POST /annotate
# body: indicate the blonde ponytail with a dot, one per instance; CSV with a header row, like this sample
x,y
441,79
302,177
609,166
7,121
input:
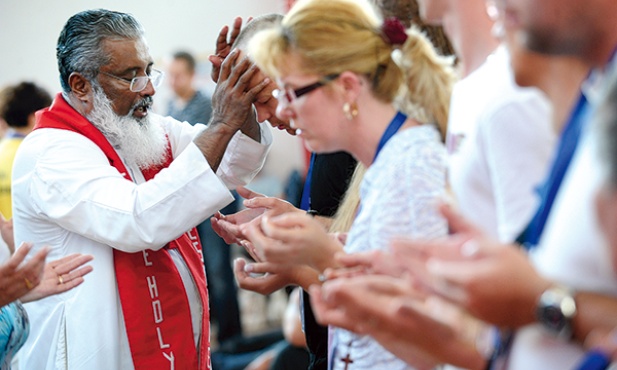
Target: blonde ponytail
x,y
429,78
348,208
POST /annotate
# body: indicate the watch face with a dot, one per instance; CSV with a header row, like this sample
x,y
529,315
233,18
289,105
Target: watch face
x,y
553,318
555,311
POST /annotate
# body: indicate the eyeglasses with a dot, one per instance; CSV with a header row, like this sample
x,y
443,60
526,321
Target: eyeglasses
x,y
140,82
290,94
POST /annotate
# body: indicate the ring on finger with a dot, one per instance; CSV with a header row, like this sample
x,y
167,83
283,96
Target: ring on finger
x,y
29,284
60,280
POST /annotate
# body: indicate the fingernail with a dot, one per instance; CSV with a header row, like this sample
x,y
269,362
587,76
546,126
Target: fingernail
x,y
249,268
470,248
433,266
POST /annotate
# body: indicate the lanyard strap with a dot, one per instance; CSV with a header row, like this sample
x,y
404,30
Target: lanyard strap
x,y
568,143
305,203
392,128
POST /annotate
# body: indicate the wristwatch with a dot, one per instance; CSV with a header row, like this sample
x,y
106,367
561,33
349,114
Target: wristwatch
x,y
555,310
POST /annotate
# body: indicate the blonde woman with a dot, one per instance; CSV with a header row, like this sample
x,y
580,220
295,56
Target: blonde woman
x,y
345,79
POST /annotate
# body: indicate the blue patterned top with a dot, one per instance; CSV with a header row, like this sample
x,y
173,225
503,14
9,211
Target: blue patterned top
x,y
14,329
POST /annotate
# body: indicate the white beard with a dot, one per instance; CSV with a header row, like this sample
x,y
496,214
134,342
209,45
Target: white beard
x,y
140,141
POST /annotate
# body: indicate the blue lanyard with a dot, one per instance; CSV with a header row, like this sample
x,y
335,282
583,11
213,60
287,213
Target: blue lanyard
x,y
595,360
568,143
305,203
392,128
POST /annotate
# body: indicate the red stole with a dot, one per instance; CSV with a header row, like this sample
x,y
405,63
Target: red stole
x,y
154,303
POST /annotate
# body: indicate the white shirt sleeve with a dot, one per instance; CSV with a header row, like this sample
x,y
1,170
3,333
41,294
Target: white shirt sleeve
x,y
243,158
72,183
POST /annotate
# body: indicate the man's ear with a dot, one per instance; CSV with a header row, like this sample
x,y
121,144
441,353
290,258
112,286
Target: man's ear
x,y
80,86
81,90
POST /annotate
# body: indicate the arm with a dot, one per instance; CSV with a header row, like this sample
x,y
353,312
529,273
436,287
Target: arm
x,y
470,274
73,182
594,311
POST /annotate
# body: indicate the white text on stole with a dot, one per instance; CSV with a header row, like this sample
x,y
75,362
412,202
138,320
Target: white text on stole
x,y
157,310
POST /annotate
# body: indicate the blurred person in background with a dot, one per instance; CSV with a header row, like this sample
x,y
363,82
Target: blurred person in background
x,y
17,106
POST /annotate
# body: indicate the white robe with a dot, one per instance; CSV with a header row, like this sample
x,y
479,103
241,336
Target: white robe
x,y
68,197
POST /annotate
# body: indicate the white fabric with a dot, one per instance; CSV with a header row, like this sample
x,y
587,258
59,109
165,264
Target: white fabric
x,y
500,142
67,196
399,195
5,252
571,250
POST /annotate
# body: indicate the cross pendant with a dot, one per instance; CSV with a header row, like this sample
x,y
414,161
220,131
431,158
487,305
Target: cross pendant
x,y
347,360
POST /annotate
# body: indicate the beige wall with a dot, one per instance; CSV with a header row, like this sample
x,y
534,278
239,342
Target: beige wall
x,y
29,29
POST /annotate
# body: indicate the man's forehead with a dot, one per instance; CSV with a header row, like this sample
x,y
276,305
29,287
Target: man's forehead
x,y
123,51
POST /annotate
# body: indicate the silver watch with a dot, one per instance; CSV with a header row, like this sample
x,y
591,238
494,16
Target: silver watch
x,y
555,310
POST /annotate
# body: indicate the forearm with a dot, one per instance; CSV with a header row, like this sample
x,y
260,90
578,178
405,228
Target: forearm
x,y
305,276
325,257
445,344
325,221
593,311
251,128
213,141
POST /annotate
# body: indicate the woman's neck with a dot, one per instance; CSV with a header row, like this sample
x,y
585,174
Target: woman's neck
x,y
368,128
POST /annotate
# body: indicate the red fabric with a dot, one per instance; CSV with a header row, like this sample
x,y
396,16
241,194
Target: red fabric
x,y
156,310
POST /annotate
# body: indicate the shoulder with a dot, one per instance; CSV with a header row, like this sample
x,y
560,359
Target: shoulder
x,y
413,152
415,141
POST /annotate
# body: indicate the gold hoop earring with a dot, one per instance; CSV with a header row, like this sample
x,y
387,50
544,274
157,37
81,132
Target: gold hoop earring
x,y
350,110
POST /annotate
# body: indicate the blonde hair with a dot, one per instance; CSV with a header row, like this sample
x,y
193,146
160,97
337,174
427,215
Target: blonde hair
x,y
333,36
346,212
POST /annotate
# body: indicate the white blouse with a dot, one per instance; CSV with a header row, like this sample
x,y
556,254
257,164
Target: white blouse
x,y
399,197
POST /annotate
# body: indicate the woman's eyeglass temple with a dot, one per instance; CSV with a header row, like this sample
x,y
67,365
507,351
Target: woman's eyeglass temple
x,y
292,94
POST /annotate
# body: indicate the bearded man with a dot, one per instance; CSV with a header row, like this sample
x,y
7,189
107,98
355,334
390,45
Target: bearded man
x,y
103,175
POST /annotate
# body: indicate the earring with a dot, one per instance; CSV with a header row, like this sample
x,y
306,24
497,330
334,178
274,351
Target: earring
x,y
350,110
